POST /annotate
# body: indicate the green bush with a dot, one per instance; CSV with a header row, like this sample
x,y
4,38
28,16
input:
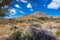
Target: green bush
x,y
58,33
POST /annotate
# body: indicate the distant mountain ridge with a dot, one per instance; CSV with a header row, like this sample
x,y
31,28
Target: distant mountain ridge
x,y
39,14
36,14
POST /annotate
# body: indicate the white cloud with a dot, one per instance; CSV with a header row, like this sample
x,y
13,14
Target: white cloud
x,y
31,10
21,12
56,1
55,4
12,11
16,5
29,5
24,1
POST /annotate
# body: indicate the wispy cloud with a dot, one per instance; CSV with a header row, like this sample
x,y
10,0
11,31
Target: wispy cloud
x,y
12,11
31,10
55,4
24,1
29,5
16,5
22,12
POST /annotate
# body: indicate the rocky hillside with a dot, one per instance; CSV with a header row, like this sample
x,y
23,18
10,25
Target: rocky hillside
x,y
39,20
32,16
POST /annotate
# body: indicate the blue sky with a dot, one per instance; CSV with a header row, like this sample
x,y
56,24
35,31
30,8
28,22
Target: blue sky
x,y
20,8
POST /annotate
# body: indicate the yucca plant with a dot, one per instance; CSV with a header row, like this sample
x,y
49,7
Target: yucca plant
x,y
27,36
16,35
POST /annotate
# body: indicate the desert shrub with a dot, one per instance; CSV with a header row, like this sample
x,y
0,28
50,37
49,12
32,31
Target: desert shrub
x,y
58,33
43,18
29,19
36,25
24,24
42,22
57,21
21,21
14,28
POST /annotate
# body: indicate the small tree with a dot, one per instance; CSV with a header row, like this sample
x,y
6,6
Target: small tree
x,y
5,2
2,4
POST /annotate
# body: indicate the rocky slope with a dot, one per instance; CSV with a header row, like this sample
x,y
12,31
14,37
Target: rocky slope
x,y
23,24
